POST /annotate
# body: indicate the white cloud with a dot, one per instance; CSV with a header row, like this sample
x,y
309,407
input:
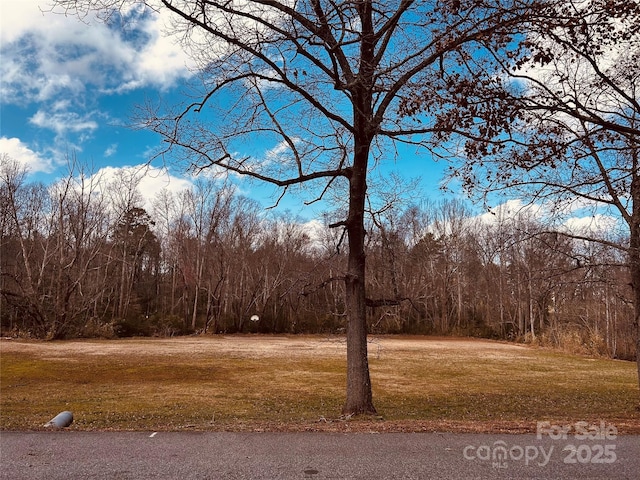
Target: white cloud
x,y
20,152
111,150
573,220
281,152
316,231
63,122
15,15
150,181
578,80
44,54
590,225
514,209
157,179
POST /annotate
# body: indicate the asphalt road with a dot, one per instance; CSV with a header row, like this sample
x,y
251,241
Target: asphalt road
x,y
222,455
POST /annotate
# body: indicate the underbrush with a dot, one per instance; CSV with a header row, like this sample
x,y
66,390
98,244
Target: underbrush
x,y
580,341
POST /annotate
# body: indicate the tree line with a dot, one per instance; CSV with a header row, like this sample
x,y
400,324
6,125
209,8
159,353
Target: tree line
x,y
83,257
535,97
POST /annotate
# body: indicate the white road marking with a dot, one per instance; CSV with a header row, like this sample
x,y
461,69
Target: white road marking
x,y
153,434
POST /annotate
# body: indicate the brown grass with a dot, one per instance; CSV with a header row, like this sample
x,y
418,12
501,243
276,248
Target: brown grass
x,y
297,383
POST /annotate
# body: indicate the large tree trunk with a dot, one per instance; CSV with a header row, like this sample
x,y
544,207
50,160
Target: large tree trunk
x,y
359,396
635,276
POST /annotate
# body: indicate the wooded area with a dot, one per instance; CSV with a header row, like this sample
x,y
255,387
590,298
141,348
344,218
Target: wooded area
x,y
536,98
78,261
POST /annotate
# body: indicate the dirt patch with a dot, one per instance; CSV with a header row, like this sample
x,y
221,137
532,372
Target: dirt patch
x,y
256,346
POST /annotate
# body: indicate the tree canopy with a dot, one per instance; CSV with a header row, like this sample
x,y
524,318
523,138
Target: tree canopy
x,y
331,87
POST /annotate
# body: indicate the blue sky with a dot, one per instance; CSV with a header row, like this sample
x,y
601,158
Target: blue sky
x,y
69,87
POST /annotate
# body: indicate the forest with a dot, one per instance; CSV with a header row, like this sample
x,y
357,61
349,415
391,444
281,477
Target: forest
x,y
84,258
531,105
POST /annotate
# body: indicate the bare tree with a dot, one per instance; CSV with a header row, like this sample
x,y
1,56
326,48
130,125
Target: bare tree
x,y
52,240
24,243
322,83
207,209
566,129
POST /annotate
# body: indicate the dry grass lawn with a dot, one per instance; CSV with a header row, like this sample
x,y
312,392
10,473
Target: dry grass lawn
x,y
297,383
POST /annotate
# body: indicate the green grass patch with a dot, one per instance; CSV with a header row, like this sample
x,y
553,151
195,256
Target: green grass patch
x,y
280,383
